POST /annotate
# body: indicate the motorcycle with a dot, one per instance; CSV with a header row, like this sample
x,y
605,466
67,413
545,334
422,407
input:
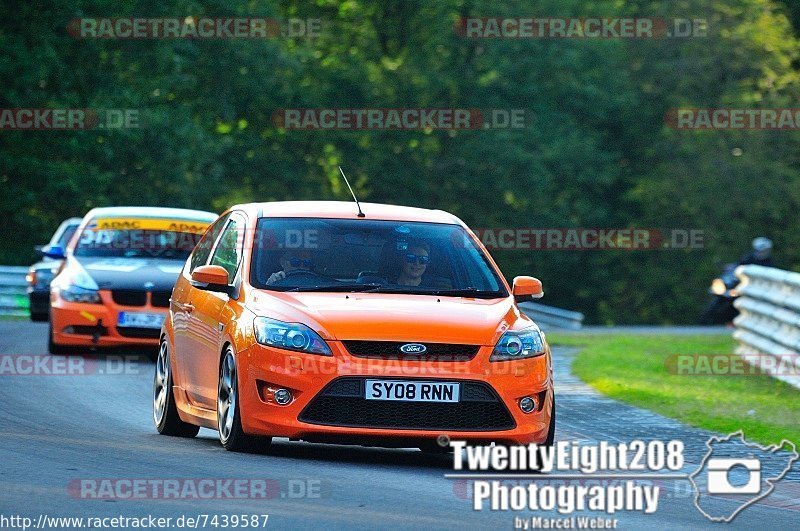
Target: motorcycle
x,y
720,310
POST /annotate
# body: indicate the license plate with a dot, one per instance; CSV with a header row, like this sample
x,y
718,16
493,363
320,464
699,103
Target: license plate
x,y
141,320
406,391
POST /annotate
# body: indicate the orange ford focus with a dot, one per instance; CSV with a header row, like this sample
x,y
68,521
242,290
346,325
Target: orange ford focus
x,y
312,321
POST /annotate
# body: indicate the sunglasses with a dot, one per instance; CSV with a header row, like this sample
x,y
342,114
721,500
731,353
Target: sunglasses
x,y
412,258
305,262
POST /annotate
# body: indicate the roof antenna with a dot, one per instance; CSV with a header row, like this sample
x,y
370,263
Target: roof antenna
x,y
360,213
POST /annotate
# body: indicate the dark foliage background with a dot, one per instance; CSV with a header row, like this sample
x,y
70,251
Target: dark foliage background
x,y
598,153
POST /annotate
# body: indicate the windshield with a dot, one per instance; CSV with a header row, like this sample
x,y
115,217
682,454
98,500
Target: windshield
x,y
67,235
168,239
310,254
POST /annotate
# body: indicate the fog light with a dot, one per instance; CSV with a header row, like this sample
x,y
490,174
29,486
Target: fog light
x,y
282,396
527,404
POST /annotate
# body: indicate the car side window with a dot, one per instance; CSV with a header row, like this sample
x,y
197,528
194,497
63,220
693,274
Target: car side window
x,y
67,236
228,253
206,244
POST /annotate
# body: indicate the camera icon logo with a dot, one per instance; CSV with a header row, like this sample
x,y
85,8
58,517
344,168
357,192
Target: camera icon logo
x,y
738,471
720,472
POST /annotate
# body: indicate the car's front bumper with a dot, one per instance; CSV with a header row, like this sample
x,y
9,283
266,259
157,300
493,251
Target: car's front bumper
x,y
95,325
263,369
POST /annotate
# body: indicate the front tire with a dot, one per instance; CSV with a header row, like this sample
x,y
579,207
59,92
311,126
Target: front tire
x,y
165,413
229,420
551,432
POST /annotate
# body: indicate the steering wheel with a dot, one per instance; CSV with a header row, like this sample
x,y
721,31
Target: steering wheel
x,y
305,273
298,272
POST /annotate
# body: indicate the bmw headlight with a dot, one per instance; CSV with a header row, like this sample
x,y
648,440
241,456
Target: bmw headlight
x,y
77,294
74,284
527,343
289,336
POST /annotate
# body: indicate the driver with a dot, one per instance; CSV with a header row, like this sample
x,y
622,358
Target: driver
x,y
292,261
414,263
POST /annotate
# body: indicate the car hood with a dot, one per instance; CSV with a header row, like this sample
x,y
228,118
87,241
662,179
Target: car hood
x,y
46,264
132,273
393,317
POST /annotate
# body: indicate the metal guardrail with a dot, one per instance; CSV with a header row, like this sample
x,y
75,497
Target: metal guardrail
x,y
13,298
549,317
768,327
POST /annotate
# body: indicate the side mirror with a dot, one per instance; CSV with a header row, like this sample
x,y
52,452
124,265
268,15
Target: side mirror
x,y
527,288
211,278
55,252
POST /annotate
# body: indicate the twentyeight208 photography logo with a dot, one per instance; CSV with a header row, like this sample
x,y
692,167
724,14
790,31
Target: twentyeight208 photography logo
x,y
609,478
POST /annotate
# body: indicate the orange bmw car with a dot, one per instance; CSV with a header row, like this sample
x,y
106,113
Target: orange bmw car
x,y
114,286
313,321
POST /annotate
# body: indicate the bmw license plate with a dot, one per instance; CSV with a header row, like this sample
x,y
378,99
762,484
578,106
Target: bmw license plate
x,y
141,319
408,391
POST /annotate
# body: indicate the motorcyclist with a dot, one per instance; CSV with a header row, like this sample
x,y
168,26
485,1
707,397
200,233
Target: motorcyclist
x,y
721,309
761,253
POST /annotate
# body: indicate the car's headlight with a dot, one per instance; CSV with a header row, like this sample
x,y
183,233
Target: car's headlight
x,y
289,336
74,284
78,294
527,343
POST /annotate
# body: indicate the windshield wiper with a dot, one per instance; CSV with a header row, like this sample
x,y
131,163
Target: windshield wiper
x,y
338,287
464,292
467,292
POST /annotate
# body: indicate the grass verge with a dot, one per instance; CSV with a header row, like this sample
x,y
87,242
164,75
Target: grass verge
x,y
634,369
14,318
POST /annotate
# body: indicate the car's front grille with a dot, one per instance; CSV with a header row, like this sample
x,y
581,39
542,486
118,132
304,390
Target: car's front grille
x,y
391,350
342,403
86,330
129,297
160,299
139,333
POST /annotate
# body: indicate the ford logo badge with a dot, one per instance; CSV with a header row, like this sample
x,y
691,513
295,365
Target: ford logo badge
x,y
413,348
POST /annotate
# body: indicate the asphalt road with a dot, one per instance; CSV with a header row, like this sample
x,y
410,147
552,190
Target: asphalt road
x,y
57,430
